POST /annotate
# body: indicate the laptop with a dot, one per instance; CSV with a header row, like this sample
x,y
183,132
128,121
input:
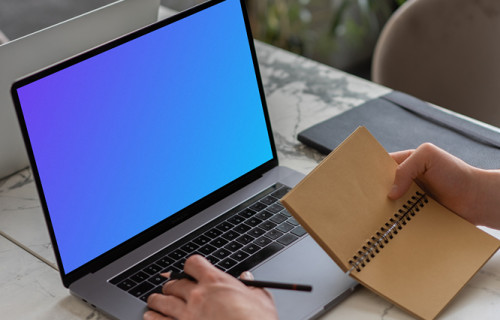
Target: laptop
x,y
50,45
157,146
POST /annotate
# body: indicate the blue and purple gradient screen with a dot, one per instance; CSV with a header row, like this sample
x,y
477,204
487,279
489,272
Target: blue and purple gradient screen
x,y
131,136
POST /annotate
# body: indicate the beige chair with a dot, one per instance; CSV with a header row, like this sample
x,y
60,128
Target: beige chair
x,y
446,52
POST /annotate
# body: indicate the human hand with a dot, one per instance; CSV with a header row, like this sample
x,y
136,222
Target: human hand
x,y
468,191
215,295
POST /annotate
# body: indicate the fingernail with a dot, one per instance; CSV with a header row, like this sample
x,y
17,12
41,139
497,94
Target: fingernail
x,y
247,275
393,191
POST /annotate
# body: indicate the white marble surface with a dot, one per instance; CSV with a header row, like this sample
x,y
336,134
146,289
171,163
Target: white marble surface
x,y
300,93
30,289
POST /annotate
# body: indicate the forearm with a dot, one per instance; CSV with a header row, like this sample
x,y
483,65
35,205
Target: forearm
x,y
487,202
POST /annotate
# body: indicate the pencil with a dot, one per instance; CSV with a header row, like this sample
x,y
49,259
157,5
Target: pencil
x,y
251,283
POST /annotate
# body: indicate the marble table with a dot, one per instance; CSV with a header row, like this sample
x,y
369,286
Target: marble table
x,y
300,93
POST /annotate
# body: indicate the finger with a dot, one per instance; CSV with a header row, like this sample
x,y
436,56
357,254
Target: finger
x,y
168,306
203,271
247,275
179,288
400,156
152,315
415,165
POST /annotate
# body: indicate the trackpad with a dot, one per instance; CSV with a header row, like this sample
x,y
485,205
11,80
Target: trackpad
x,y
305,263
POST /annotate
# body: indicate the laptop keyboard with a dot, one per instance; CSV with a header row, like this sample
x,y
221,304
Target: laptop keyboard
x,y
237,241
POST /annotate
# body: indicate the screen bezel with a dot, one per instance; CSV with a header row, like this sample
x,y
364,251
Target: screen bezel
x,y
180,216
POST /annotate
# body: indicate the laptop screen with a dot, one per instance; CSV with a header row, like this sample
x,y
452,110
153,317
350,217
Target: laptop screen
x,y
127,137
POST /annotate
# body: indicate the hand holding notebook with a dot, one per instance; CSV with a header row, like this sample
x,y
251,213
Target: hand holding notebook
x,y
412,251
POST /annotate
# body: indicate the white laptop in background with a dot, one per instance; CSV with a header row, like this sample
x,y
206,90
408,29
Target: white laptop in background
x,y
50,45
158,145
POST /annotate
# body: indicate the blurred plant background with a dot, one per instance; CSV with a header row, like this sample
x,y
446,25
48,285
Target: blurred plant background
x,y
340,33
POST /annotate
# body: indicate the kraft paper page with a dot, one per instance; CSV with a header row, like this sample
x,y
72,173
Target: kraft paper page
x,y
422,258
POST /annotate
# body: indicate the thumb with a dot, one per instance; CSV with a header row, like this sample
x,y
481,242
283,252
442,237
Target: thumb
x,y
413,168
401,184
406,173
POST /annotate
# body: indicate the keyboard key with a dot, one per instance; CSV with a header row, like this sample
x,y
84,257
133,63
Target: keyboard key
x,y
264,215
242,228
274,234
152,269
292,221
236,219
202,240
139,276
281,192
247,213
164,262
230,235
225,226
177,254
141,289
190,247
275,207
258,206
267,225
263,241
158,289
227,263
251,248
172,269
157,280
268,200
213,260
278,218
179,264
127,284
286,213
287,239
299,231
213,233
239,256
207,249
284,227
122,276
256,232
221,253
219,242
245,239
255,259
252,222
233,246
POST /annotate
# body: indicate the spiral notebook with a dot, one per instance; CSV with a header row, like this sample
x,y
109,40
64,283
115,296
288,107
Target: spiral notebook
x,y
413,251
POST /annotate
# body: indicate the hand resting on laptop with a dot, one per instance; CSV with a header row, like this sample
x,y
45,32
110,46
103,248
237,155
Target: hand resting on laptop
x,y
217,295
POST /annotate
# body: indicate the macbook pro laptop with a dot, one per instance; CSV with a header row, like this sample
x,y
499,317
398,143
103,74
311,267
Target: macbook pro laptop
x,y
157,146
38,50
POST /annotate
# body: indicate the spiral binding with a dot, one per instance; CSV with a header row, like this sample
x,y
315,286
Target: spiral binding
x,y
387,232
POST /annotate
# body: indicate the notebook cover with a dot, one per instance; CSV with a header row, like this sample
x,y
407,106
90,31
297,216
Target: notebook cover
x,y
343,202
400,122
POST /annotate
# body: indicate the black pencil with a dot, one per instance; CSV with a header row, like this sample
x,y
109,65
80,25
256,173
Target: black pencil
x,y
251,283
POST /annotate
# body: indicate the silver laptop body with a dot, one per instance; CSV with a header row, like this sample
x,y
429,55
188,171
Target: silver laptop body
x,y
53,44
141,142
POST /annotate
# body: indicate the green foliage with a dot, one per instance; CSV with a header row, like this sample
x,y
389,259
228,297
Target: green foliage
x,y
320,29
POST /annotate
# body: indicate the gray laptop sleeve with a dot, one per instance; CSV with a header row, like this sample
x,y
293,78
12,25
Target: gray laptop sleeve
x,y
400,122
